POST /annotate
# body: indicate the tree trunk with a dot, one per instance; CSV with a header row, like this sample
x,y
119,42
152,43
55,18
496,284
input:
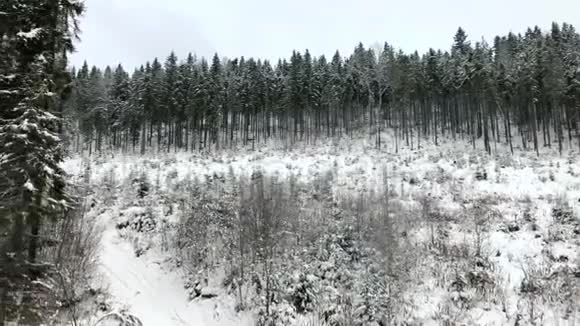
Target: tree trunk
x,y
535,128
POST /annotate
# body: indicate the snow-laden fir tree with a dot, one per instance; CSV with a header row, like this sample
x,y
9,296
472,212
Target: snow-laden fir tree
x,y
35,39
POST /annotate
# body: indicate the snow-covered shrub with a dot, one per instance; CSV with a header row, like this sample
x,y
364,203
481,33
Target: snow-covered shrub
x,y
170,160
141,185
282,314
509,227
440,240
460,162
374,305
121,318
531,290
442,176
480,276
302,292
314,320
323,187
151,164
505,161
448,313
458,289
480,215
194,288
563,214
434,158
525,199
480,173
172,175
561,290
412,179
139,219
570,167
474,158
256,157
438,224
141,245
230,281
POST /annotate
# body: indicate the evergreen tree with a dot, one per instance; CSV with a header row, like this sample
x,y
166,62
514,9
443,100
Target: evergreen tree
x,y
170,97
216,92
118,114
155,87
36,37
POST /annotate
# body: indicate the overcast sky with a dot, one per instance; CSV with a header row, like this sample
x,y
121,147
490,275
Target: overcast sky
x,y
135,31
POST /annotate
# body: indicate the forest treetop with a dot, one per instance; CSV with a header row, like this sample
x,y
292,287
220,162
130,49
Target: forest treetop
x,y
527,81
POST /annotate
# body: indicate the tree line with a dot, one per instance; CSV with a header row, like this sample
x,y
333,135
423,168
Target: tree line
x,y
521,85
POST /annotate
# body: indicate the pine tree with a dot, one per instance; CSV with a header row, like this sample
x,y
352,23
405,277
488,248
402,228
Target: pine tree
x,y
337,85
184,100
99,110
135,109
295,99
117,115
170,98
156,88
318,92
216,92
34,49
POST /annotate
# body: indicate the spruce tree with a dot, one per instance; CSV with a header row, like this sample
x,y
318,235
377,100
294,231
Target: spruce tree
x,y
36,37
216,92
170,97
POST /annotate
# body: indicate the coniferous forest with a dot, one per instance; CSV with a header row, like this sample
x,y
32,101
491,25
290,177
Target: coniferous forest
x,y
370,188
518,85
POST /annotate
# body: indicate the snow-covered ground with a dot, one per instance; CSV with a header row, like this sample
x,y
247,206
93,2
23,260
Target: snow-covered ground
x,y
151,292
148,286
151,287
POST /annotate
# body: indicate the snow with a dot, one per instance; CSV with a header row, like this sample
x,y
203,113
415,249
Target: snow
x,y
515,251
147,289
33,33
151,293
153,290
43,284
29,186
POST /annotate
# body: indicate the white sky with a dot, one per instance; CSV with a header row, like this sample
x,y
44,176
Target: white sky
x,y
134,31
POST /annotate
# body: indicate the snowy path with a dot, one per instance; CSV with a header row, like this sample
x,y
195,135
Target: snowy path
x,y
154,295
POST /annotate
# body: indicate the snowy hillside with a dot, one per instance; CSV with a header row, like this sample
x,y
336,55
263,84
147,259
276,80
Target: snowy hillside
x,y
328,187
494,240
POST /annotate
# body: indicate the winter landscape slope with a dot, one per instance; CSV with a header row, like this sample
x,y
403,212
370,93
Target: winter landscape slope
x,y
529,238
